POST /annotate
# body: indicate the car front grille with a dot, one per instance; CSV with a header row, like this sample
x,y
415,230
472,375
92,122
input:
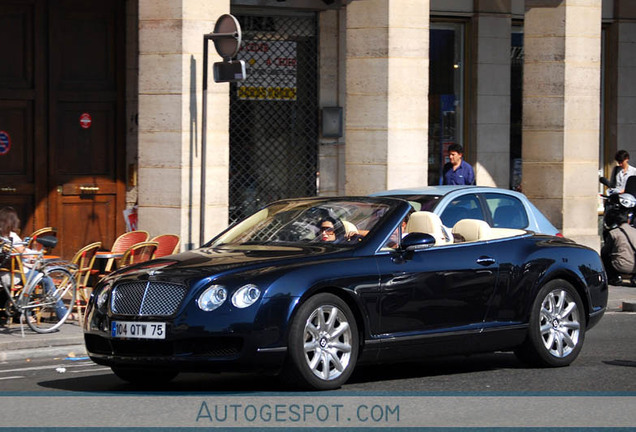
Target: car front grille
x,y
147,298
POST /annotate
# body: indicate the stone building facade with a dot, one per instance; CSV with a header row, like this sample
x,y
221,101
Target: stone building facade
x,y
578,99
353,97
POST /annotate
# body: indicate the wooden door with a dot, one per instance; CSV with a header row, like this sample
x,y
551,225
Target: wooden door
x,y
22,112
86,121
62,117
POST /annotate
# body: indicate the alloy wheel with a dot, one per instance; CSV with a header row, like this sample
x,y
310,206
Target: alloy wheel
x,y
560,323
327,342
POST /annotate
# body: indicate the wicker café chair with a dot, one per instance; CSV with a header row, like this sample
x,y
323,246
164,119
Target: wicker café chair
x,y
46,231
168,244
140,252
123,243
84,259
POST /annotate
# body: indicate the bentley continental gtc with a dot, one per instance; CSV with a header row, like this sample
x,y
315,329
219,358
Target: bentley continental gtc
x,y
310,288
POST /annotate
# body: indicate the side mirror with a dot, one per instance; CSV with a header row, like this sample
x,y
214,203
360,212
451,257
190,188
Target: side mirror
x,y
415,241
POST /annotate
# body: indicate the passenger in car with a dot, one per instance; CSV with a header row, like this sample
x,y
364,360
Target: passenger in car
x,y
458,238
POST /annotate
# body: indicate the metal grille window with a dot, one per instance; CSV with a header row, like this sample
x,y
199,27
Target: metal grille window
x,y
274,113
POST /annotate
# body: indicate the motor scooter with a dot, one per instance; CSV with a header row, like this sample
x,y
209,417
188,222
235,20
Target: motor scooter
x,y
618,208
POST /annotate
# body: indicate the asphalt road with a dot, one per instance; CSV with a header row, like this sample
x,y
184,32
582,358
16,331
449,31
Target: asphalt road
x,y
606,364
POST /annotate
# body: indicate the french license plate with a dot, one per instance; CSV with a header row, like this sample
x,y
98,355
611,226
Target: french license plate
x,y
138,330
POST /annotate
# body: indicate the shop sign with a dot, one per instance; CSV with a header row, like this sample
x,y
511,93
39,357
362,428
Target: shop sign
x,y
272,70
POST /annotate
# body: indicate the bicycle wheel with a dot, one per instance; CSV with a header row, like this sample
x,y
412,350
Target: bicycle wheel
x,y
50,301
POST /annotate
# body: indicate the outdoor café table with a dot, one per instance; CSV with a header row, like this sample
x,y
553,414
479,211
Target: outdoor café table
x,y
110,257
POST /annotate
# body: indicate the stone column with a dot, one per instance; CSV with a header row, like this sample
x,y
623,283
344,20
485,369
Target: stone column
x,y
561,115
170,82
331,84
491,114
387,95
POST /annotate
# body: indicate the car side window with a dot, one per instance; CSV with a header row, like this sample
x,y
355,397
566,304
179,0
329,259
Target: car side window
x,y
463,207
506,211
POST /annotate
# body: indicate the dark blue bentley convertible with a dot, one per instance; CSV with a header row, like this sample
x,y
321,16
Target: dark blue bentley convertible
x,y
309,288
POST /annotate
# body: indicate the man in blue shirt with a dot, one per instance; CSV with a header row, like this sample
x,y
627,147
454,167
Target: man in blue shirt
x,y
458,171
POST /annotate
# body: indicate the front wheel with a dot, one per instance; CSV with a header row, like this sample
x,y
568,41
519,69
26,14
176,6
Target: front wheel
x,y
323,344
557,327
50,301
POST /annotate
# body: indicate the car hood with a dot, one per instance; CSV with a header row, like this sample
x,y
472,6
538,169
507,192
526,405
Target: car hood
x,y
219,261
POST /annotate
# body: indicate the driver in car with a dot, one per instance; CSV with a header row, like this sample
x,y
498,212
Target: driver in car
x,y
328,230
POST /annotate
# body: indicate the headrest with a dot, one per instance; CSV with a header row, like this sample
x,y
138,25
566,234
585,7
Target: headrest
x,y
430,223
473,229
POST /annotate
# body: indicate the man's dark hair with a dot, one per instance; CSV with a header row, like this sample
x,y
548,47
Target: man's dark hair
x,y
621,155
457,148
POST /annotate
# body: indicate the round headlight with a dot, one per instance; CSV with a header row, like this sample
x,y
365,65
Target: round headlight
x,y
102,297
246,296
212,298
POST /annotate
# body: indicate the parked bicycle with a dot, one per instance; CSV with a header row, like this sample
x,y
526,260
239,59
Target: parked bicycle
x,y
48,292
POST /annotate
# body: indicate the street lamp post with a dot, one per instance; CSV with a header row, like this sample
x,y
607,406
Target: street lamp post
x,y
227,41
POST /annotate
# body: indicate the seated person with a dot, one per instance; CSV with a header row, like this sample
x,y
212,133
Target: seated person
x,y
618,251
9,224
331,230
399,233
458,238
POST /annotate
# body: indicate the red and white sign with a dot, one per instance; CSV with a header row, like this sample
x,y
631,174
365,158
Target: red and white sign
x,y
5,143
86,120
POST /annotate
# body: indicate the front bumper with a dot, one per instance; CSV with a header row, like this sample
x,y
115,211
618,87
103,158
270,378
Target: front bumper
x,y
251,339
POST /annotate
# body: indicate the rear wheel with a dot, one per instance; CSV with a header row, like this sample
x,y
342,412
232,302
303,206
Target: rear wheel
x,y
50,301
557,327
323,344
145,376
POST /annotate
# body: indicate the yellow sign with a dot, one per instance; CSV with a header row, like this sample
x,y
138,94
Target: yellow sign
x,y
271,71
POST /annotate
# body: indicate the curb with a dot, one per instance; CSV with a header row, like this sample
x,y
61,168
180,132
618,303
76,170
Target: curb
x,y
35,353
628,307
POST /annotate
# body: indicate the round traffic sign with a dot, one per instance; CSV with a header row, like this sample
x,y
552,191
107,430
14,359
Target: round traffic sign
x,y
5,142
86,120
227,47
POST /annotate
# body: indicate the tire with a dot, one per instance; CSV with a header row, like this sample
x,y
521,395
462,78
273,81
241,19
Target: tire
x,y
41,310
323,344
557,327
146,376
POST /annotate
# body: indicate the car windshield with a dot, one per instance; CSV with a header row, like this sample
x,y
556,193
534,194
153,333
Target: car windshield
x,y
421,202
342,222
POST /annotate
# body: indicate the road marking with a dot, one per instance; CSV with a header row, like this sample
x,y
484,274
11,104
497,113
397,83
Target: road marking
x,y
11,377
51,367
92,370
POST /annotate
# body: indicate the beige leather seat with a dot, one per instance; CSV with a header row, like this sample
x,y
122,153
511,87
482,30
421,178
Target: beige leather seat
x,y
349,227
429,223
473,229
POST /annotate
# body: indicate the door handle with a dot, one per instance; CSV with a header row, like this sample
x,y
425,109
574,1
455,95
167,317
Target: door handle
x,y
485,260
8,189
89,189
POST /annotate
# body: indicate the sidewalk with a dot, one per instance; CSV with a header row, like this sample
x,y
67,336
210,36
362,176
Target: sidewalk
x,y
69,341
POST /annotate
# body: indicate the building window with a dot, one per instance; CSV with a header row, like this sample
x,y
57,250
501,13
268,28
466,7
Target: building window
x,y
446,86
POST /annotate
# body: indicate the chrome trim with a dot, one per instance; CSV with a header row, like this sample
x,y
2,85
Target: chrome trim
x,y
442,334
268,350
